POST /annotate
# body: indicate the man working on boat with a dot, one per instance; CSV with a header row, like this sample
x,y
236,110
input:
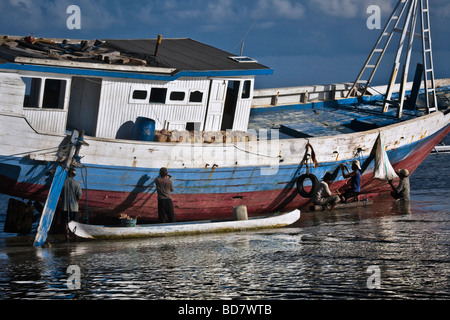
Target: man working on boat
x,y
323,195
70,194
164,187
355,181
402,190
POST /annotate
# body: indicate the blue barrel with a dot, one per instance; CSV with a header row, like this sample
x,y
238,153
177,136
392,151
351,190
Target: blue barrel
x,y
143,129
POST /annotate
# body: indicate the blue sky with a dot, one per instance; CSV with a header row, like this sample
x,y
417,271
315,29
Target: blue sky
x,y
304,41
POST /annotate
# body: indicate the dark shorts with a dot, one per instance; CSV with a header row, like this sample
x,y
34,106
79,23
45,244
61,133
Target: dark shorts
x,y
350,194
165,210
69,216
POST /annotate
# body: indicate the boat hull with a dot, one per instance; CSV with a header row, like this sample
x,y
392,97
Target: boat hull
x,y
208,187
173,229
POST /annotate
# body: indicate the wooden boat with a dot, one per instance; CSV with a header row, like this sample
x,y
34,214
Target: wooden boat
x,y
224,142
183,228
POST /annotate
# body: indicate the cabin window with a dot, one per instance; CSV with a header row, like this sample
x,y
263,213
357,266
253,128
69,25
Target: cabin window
x,y
54,92
196,97
158,95
32,92
139,95
246,88
177,96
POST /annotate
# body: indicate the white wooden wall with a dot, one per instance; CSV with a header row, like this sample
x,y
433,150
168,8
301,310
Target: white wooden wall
x,y
115,108
42,119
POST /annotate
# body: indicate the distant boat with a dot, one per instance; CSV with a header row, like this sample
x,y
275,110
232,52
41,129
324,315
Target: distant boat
x,y
441,149
182,228
181,104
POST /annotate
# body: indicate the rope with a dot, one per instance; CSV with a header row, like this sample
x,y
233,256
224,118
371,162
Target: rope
x,y
308,156
313,154
36,151
252,25
255,153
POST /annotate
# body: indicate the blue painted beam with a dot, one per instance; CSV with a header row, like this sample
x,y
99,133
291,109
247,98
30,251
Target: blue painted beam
x,y
50,206
134,75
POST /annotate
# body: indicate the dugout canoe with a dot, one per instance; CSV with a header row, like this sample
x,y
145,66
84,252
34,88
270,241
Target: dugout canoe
x,y
183,228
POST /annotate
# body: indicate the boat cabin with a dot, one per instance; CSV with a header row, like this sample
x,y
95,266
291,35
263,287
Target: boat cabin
x,y
103,86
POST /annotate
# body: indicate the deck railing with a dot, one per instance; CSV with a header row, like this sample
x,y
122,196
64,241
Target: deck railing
x,y
308,94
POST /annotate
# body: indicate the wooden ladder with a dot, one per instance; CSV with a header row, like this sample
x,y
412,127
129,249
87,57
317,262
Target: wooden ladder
x,y
378,51
412,9
428,58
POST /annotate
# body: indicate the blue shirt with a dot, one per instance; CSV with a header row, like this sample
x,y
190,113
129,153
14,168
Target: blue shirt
x,y
355,182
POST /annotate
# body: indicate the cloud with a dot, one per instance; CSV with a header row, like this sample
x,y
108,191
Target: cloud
x,y
440,8
23,13
217,12
286,9
349,8
221,10
48,17
100,14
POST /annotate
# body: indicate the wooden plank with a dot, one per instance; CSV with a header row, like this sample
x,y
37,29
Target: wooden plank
x,y
88,65
354,204
50,206
55,190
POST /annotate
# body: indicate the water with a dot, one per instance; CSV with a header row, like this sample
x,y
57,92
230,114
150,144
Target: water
x,y
326,255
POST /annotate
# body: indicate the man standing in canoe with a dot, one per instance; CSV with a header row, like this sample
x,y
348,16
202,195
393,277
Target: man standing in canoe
x,y
70,194
164,187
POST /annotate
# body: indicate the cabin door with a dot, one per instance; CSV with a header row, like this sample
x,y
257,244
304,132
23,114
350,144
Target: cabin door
x,y
84,104
214,114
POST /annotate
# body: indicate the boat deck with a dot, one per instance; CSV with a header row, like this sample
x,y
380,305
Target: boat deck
x,y
324,119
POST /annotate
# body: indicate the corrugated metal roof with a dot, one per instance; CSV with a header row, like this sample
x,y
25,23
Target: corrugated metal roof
x,y
174,55
183,54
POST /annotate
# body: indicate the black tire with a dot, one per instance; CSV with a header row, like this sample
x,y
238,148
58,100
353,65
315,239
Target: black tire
x,y
300,188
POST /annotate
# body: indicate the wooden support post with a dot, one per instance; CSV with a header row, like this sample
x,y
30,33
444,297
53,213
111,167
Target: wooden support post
x,y
50,206
55,190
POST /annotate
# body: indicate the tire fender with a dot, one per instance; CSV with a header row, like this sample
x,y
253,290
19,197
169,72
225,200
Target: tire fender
x,y
301,180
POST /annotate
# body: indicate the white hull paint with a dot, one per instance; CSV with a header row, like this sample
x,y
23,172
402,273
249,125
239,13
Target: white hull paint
x,y
18,138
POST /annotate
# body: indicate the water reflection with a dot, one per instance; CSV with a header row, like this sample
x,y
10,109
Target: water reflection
x,y
324,255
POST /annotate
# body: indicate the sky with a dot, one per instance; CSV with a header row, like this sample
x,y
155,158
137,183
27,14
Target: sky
x,y
306,42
